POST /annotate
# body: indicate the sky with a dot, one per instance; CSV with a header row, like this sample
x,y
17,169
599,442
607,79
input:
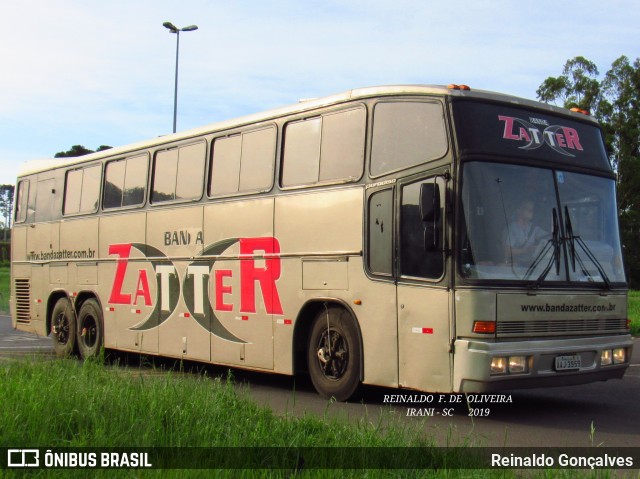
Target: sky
x,y
95,72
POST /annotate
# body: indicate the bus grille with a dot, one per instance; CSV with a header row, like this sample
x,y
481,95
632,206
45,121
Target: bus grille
x,y
23,300
562,327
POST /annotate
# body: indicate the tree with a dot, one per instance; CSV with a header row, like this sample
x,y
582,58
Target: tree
x,y
578,86
6,207
78,150
615,102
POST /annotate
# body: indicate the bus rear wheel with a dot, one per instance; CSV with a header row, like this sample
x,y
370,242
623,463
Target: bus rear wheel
x,y
63,328
90,330
333,355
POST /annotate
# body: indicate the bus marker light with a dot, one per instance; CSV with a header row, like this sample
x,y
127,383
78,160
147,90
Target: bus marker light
x,y
453,86
185,315
422,330
136,311
284,321
484,327
580,110
109,309
357,302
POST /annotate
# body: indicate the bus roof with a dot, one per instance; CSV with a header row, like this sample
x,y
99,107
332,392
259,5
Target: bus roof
x,y
36,166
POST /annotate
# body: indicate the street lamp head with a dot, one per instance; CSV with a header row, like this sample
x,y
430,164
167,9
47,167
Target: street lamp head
x,y
170,26
190,28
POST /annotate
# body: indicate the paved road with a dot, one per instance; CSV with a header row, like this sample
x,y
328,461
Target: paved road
x,y
560,417
18,342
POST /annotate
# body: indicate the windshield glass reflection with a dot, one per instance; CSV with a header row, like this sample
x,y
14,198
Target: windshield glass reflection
x,y
515,226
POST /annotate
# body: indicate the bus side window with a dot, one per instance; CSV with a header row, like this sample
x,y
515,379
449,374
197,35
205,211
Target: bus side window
x,y
21,201
178,173
45,191
380,229
125,182
420,255
82,190
406,134
191,159
324,149
243,163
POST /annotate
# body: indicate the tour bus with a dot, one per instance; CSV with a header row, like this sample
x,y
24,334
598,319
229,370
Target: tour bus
x,y
435,238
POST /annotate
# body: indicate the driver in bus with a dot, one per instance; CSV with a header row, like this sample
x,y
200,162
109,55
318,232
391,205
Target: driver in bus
x,y
522,237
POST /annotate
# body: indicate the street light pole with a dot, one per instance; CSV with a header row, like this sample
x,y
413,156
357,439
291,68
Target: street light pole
x,y
173,29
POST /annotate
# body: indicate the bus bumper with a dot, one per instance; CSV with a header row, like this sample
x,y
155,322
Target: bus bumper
x,y
473,372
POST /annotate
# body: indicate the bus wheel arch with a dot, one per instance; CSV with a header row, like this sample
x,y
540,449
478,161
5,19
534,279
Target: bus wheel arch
x,y
311,339
62,324
90,325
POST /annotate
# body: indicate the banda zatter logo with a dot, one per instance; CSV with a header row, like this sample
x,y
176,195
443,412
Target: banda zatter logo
x,y
557,137
259,265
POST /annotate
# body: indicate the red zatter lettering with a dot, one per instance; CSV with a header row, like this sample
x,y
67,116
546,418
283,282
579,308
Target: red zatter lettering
x,y
123,251
266,277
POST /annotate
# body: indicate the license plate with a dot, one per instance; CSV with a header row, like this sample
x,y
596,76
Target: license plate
x,y
564,363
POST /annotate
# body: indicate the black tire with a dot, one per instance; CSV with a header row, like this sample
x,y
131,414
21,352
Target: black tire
x,y
63,328
90,329
333,354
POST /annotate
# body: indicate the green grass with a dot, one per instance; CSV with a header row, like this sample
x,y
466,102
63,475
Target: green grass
x,y
633,312
88,404
68,404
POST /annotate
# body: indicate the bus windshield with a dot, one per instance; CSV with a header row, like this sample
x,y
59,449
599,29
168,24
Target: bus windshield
x,y
538,225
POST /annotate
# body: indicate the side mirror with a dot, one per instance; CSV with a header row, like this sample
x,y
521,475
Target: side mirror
x,y
429,202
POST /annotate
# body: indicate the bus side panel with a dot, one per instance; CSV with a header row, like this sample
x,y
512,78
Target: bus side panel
x,y
19,243
177,232
377,317
424,337
79,241
43,241
20,304
123,281
329,223
242,292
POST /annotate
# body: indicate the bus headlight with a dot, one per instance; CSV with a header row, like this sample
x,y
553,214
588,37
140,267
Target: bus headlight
x,y
517,364
619,355
498,365
605,357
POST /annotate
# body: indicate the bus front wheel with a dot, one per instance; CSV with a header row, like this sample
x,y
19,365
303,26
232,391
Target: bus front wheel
x,y
63,328
90,331
333,355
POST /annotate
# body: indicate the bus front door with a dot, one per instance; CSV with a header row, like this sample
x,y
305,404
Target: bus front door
x,y
422,295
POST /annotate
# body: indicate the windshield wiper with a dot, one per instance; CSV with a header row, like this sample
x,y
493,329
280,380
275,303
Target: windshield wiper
x,y
553,242
573,239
